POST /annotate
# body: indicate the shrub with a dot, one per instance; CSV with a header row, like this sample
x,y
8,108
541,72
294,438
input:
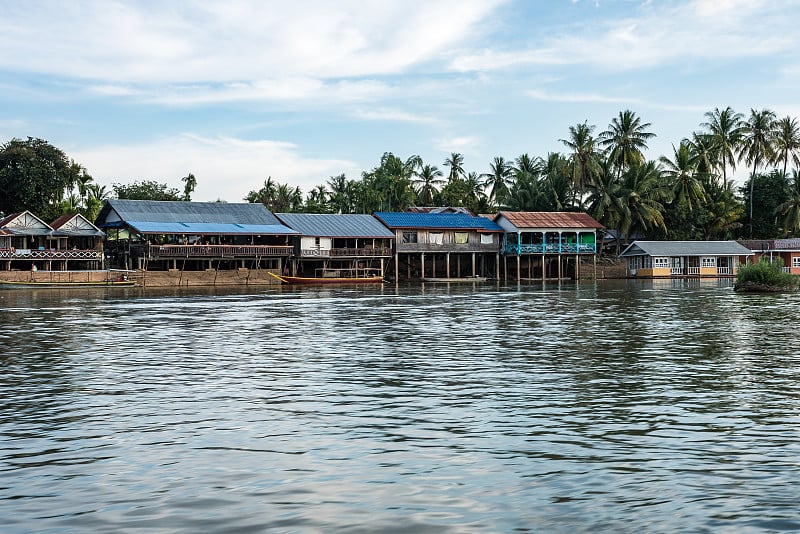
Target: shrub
x,y
765,273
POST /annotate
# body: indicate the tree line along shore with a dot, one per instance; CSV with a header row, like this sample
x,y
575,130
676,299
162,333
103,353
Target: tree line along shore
x,y
686,195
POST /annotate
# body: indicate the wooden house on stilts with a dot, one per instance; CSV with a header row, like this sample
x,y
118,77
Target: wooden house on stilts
x,y
338,245
443,246
546,245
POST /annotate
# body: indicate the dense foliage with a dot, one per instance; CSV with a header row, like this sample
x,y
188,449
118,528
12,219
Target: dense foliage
x,y
765,274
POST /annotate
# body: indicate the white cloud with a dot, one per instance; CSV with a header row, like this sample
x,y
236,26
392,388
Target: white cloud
x,y
185,42
458,144
706,29
538,94
226,168
391,115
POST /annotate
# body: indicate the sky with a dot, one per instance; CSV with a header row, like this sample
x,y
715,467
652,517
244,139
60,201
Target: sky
x,y
236,91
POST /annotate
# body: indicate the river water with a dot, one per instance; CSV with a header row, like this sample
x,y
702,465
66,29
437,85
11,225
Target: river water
x,y
616,406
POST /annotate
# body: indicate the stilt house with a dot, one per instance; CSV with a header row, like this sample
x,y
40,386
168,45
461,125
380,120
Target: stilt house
x,y
443,245
542,245
161,235
348,245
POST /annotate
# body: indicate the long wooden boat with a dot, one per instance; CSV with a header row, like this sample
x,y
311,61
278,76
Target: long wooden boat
x,y
309,280
455,280
7,284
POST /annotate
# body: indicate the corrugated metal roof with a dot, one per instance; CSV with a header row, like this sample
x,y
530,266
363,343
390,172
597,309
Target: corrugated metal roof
x,y
686,248
438,221
771,244
552,219
335,225
191,212
174,217
147,227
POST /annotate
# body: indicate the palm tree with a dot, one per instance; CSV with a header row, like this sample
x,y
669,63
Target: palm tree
x,y
643,194
704,153
625,140
790,209
604,200
757,145
787,142
339,198
456,164
498,180
584,157
726,128
428,180
687,189
557,184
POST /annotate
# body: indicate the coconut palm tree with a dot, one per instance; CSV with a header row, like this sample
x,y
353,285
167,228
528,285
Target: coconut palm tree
x,y
456,164
604,200
498,180
757,145
625,140
583,158
704,153
681,170
339,198
427,181
789,210
786,142
726,128
643,195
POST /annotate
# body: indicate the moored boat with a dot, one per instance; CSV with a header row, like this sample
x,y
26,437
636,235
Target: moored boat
x,y
311,280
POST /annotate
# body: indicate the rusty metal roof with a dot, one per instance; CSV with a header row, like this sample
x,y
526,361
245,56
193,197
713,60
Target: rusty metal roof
x,y
549,219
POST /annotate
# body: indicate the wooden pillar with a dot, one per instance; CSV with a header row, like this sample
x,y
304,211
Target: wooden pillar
x,y
544,267
422,267
577,267
559,267
447,265
519,265
473,264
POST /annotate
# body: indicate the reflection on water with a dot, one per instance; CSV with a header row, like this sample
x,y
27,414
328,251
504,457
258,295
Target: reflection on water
x,y
616,406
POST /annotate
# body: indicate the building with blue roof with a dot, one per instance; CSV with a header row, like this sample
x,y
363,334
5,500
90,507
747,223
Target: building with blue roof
x,y
338,242
160,235
444,246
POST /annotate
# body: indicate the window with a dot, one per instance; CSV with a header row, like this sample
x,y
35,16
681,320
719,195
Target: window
x,y
660,262
487,239
409,237
708,262
436,238
796,261
462,238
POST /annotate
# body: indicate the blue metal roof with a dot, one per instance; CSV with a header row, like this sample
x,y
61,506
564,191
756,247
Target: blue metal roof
x,y
147,227
335,225
439,221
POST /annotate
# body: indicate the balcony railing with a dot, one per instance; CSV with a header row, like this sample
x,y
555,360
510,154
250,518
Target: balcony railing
x,y
346,252
215,251
447,247
50,254
551,248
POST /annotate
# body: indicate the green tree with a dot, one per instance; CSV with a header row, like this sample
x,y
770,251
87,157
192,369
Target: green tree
x,y
626,140
146,190
789,210
767,193
604,200
35,176
456,165
427,182
584,158
189,185
340,194
726,128
498,180
643,194
317,200
681,171
757,145
786,142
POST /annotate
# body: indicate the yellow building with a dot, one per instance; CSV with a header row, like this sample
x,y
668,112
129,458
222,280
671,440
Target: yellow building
x,y
675,259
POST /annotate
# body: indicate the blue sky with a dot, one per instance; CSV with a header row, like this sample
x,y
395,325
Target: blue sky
x,y
235,91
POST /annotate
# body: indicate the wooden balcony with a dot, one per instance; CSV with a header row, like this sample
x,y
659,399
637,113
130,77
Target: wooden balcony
x,y
551,248
366,252
215,251
51,254
431,248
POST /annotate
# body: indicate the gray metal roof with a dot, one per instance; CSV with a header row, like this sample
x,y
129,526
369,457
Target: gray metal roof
x,y
335,225
190,212
685,248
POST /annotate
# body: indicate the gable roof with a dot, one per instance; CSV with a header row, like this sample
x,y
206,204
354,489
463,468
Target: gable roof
x,y
25,223
437,221
335,225
177,217
685,248
549,219
75,224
